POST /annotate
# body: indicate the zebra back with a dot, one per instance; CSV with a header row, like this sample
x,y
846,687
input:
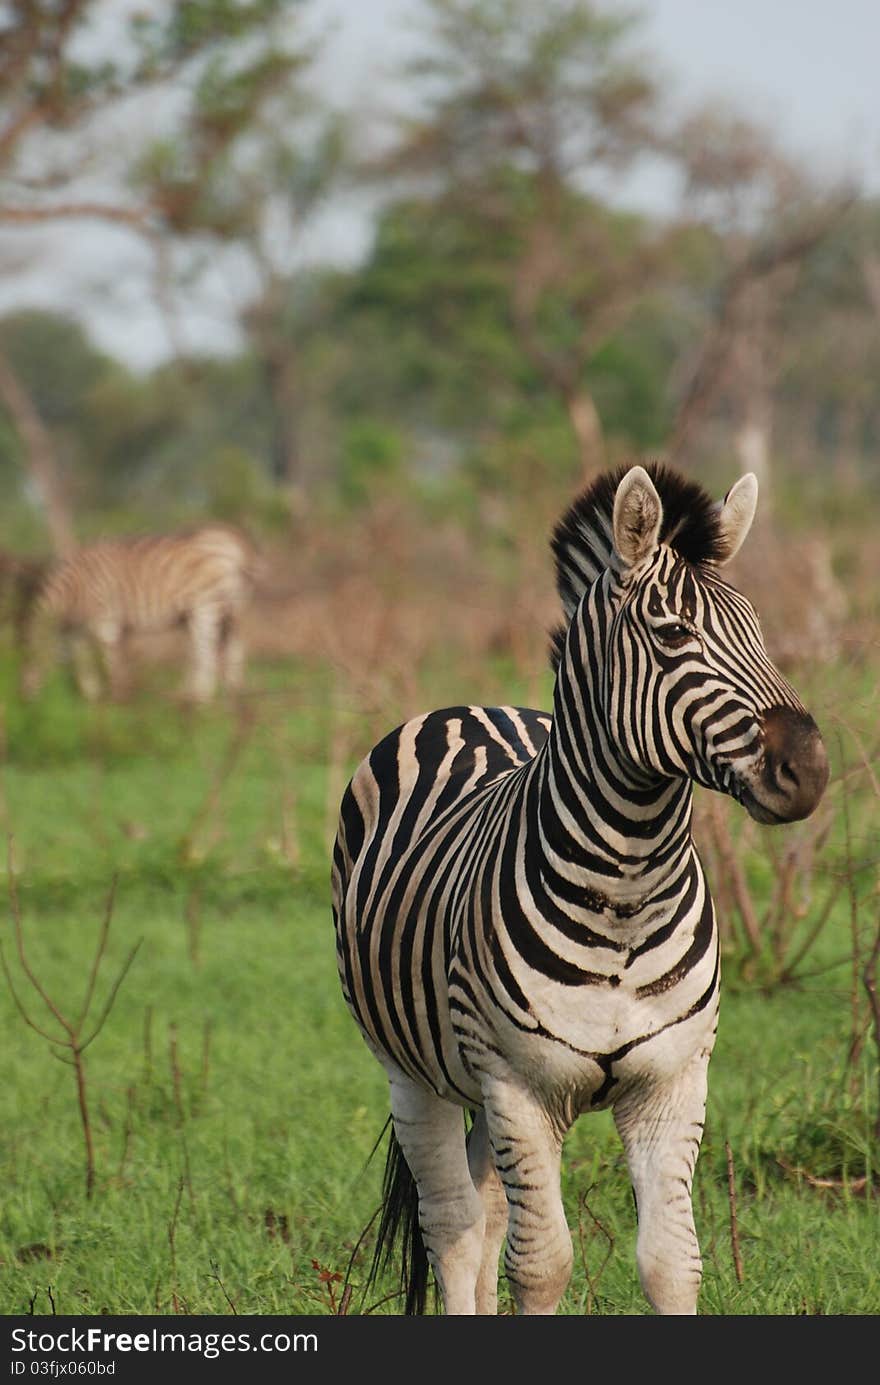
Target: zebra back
x,y
150,581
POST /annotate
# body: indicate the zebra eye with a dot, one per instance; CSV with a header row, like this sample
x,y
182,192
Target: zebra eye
x,y
675,634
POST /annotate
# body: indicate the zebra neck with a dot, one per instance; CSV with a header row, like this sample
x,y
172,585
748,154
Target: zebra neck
x,y
600,820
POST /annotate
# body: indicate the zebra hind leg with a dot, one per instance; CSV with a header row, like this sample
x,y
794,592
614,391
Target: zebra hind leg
x,y
491,1190
430,1136
117,670
87,666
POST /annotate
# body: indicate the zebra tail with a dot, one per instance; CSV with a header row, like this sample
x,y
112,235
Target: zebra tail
x,y
399,1225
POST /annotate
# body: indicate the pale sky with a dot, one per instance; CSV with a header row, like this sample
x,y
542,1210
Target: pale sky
x,y
807,69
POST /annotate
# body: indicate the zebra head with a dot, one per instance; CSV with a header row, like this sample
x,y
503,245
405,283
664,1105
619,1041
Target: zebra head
x,y
686,686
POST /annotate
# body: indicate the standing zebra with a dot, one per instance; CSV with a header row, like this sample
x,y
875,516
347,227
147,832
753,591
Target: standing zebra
x,y
119,587
523,925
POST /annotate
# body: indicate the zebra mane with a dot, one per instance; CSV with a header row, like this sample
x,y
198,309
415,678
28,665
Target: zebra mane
x,y
583,546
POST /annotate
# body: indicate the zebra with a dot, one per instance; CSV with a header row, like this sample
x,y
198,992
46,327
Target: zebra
x,y
105,592
524,932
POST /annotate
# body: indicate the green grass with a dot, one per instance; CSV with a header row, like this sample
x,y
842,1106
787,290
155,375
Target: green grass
x,y
233,1104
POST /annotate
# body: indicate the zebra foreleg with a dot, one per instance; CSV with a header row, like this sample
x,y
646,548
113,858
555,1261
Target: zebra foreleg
x,y
527,1150
487,1183
661,1126
85,660
204,625
451,1216
232,652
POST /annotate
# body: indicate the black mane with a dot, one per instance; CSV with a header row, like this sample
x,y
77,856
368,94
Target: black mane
x,y
582,542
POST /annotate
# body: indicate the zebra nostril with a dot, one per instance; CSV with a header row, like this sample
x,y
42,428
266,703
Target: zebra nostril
x,y
780,775
796,765
787,773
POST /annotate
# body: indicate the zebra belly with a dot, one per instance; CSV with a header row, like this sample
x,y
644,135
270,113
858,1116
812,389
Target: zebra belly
x,y
642,1046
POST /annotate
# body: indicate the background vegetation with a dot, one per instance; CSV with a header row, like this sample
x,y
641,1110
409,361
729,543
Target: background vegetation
x,y
399,436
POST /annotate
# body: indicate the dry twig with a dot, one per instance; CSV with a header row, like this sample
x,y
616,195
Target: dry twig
x,y
734,1227
73,1037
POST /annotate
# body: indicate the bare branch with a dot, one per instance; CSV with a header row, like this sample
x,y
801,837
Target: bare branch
x,y
869,976
871,272
74,1043
111,997
757,264
99,953
19,940
736,875
18,1004
136,217
39,455
734,1228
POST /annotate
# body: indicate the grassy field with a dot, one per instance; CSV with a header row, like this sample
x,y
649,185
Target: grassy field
x,y
232,1105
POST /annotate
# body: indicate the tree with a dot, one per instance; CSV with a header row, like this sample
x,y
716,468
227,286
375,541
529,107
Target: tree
x,y
249,165
767,216
212,63
427,326
829,351
525,114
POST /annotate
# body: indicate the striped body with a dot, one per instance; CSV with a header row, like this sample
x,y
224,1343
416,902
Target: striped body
x,y
443,864
120,587
523,925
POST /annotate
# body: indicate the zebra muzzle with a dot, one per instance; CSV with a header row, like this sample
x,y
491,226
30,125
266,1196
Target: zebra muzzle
x,y
794,768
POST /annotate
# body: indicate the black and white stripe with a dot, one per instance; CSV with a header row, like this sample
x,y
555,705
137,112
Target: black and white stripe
x,y
523,926
116,588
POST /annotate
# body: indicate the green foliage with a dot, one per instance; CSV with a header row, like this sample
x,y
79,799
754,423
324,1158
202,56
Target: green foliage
x,y
534,448
251,136
430,317
371,456
199,22
428,320
829,1140
56,362
138,452
503,74
629,382
237,488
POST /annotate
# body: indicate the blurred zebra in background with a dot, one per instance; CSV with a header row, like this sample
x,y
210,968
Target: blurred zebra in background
x,y
116,588
523,925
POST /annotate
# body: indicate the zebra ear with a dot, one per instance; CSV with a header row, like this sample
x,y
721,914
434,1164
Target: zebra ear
x,y
736,515
638,514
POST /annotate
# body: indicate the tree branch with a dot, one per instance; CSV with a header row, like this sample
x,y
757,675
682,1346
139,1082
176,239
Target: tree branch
x,y
758,264
39,456
136,217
